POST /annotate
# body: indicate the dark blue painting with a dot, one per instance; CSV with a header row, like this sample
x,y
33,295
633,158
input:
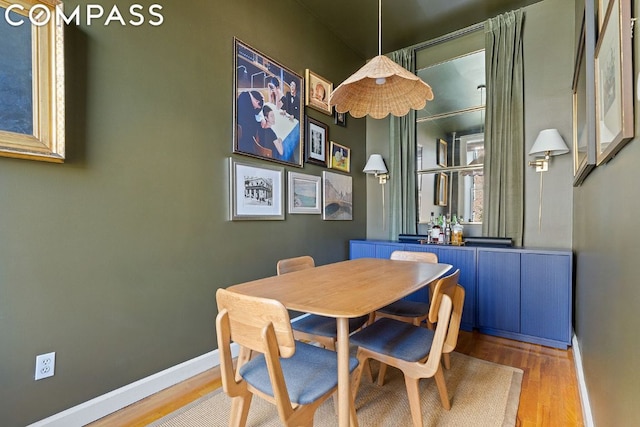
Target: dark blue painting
x,y
16,79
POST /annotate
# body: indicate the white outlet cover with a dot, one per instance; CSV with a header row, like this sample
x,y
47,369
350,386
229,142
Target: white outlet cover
x,y
45,365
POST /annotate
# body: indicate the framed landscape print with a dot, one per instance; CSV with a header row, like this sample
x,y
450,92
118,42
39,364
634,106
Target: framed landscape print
x,y
267,108
257,191
614,82
305,196
340,157
317,91
337,197
316,148
32,91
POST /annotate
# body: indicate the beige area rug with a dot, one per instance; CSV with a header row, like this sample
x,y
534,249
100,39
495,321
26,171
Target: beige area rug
x,y
482,394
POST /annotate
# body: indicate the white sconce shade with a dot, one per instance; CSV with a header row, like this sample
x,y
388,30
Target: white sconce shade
x,y
549,142
375,165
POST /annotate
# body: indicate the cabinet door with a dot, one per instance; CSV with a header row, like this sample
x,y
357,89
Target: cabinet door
x,y
499,290
546,296
361,249
465,260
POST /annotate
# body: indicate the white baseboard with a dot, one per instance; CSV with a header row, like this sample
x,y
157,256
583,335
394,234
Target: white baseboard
x,y
115,400
582,386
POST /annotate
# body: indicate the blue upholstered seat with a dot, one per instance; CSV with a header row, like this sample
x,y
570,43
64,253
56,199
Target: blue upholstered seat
x,y
406,308
395,338
325,326
309,374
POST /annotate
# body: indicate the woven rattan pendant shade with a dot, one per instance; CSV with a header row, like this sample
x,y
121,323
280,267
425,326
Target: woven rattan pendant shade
x,y
401,91
381,87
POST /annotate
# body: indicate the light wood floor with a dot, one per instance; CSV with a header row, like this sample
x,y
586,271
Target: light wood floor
x,y
549,394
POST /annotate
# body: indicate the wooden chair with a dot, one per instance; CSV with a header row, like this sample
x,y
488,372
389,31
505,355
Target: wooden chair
x,y
312,327
295,376
416,351
409,311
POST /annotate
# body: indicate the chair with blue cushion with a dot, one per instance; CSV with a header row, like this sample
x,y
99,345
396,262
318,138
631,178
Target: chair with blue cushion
x,y
409,311
295,376
415,350
313,327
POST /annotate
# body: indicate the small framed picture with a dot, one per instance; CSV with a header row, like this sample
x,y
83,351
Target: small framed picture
x,y
317,91
340,157
256,191
337,197
442,189
304,193
316,142
340,118
441,153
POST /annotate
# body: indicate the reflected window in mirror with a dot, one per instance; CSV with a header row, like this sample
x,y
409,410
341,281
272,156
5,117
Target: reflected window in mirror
x,y
450,140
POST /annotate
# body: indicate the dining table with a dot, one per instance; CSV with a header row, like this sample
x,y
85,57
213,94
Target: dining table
x,y
345,290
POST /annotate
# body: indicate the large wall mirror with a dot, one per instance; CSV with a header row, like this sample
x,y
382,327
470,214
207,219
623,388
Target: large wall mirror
x,y
450,139
31,81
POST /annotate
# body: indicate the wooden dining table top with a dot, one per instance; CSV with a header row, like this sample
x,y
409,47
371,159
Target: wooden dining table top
x,y
350,288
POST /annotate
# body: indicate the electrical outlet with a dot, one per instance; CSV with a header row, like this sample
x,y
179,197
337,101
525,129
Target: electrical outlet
x,y
45,365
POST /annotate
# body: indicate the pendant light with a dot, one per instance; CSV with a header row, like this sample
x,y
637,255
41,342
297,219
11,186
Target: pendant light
x,y
381,87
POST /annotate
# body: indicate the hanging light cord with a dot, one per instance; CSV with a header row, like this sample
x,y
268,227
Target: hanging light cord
x,y
379,27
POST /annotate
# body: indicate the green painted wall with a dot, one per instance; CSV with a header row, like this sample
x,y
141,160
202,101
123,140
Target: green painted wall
x,y
607,295
113,258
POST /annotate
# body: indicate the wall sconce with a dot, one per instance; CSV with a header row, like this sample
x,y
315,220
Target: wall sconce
x,y
375,166
550,143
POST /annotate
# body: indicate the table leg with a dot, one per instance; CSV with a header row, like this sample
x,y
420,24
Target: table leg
x,y
344,388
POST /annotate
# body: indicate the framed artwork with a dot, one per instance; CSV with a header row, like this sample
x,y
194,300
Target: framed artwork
x,y
256,191
304,194
602,5
614,82
32,121
267,108
584,148
442,189
316,142
340,157
337,197
441,153
317,91
340,119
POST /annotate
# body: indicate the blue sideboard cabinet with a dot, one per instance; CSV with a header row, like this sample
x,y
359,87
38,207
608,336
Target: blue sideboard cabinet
x,y
517,293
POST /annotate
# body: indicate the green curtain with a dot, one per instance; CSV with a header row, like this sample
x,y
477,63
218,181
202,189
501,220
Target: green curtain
x,y
504,135
402,168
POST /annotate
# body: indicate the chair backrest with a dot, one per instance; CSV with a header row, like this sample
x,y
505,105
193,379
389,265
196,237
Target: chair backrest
x,y
243,319
456,318
415,256
443,318
444,286
294,264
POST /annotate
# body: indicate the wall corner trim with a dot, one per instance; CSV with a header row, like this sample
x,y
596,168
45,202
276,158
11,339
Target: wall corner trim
x,y
115,400
582,385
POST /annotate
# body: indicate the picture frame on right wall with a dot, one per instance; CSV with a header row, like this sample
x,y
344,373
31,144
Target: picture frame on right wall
x,y
614,81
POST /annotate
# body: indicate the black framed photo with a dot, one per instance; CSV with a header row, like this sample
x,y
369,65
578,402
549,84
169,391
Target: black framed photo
x,y
316,142
340,119
267,108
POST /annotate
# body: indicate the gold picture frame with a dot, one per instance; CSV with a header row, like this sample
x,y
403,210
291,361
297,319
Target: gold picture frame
x,y
442,189
45,140
317,91
340,157
441,153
